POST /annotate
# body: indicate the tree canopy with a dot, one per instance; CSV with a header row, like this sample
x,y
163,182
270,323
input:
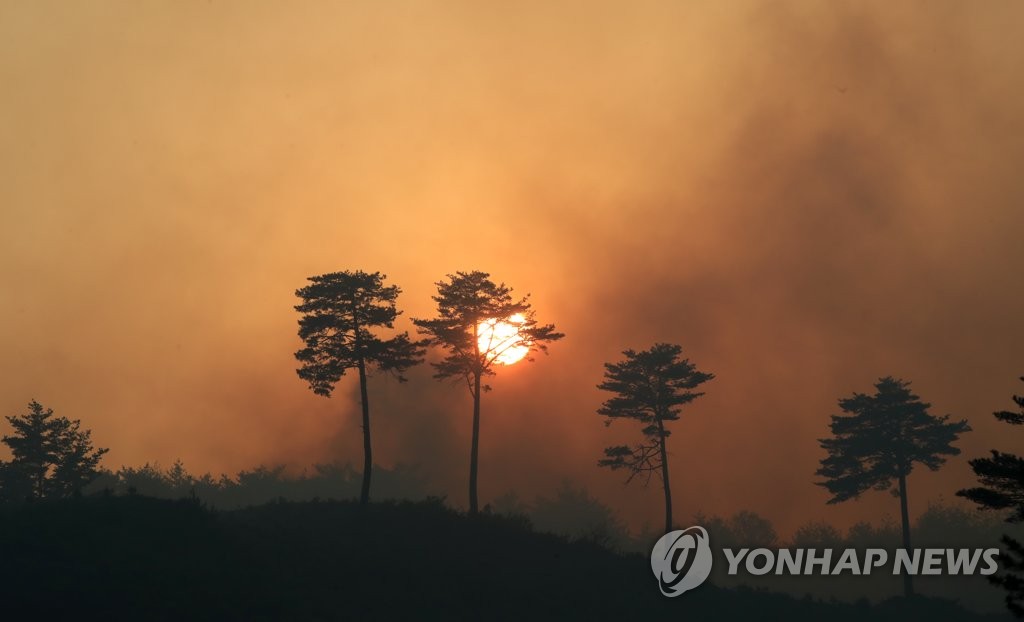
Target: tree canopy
x,y
339,311
881,437
1002,474
51,456
876,444
466,300
1002,488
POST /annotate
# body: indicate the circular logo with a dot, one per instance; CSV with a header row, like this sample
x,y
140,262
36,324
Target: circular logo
x,y
681,560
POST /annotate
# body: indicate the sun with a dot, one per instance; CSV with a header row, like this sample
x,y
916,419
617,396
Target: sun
x,y
501,338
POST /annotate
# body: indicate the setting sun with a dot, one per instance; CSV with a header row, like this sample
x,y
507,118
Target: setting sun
x,y
501,338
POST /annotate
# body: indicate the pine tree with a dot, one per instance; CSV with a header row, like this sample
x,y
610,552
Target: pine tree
x,y
879,441
465,302
52,456
1002,479
650,387
76,462
339,312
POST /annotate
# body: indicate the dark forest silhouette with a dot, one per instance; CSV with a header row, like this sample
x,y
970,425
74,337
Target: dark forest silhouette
x,y
570,513
262,484
139,558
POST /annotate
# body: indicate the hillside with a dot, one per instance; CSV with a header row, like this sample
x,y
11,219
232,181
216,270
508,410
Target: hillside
x,y
139,558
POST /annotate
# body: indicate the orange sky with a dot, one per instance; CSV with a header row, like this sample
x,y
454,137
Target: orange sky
x,y
806,196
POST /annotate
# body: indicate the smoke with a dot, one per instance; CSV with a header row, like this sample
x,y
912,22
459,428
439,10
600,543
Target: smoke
x,y
806,196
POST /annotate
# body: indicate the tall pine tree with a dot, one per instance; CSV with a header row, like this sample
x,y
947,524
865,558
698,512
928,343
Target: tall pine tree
x,y
466,302
650,387
878,441
340,311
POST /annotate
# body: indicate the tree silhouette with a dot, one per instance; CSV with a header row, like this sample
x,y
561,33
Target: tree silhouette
x,y
650,387
1002,479
464,302
338,312
52,456
879,441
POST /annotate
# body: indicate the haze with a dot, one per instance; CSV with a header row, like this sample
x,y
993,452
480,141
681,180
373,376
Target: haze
x,y
805,196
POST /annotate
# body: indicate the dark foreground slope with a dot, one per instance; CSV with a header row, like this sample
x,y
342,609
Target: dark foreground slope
x,y
137,558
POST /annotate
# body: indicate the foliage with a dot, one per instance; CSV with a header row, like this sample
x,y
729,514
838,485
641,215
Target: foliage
x,y
464,301
650,387
338,312
258,485
52,456
1002,488
881,438
876,445
1002,475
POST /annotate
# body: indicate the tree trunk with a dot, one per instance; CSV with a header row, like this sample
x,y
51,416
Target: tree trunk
x,y
908,586
364,495
664,477
364,401
475,448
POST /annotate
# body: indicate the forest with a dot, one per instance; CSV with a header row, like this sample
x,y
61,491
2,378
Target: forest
x,y
55,472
